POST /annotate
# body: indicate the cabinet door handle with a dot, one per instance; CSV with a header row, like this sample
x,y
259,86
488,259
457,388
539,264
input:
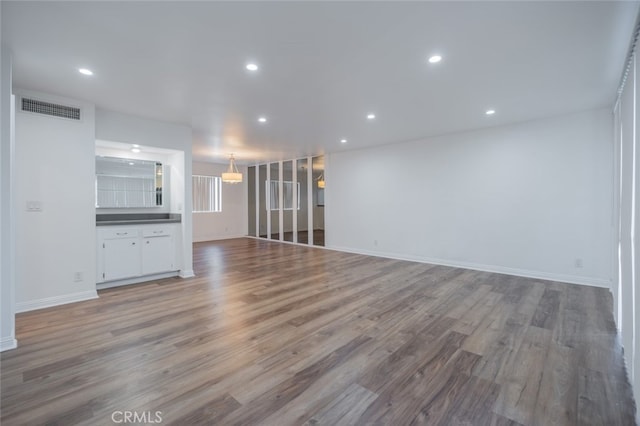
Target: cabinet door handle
x,y
147,242
122,233
158,232
133,244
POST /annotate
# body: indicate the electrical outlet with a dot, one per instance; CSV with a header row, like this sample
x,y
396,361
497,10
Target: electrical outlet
x,y
77,277
578,263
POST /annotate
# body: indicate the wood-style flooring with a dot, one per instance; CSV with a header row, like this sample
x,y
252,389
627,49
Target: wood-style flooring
x,y
279,334
303,237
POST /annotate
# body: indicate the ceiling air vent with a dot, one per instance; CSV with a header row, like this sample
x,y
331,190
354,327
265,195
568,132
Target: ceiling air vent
x,y
48,108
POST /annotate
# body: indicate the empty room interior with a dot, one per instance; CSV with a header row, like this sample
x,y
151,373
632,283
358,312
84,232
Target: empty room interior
x,y
319,212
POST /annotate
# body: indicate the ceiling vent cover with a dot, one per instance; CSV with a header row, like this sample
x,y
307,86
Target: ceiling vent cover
x,y
48,108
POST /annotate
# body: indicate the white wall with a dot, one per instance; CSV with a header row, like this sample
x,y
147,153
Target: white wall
x,y
627,206
634,359
7,233
55,166
232,221
117,127
527,199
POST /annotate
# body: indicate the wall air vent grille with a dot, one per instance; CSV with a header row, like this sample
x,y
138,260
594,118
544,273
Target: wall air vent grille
x,y
48,108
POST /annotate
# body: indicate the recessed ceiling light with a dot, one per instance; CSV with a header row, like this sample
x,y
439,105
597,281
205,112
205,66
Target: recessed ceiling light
x,y
490,111
135,150
85,71
435,59
252,67
343,141
262,119
371,116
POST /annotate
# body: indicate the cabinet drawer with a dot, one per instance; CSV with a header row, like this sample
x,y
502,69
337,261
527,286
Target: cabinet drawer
x,y
112,233
160,231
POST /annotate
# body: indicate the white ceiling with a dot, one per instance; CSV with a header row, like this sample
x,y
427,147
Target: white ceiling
x,y
323,66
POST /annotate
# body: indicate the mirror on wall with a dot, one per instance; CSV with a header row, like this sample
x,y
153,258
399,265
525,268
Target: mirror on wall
x,y
251,199
128,183
290,201
302,166
290,192
262,201
274,200
318,200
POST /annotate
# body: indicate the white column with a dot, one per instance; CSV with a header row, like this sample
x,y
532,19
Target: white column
x,y
294,178
7,204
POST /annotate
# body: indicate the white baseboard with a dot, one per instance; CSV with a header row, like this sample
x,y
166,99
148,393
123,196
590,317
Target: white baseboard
x,y
547,276
7,343
136,280
204,238
48,302
187,274
571,279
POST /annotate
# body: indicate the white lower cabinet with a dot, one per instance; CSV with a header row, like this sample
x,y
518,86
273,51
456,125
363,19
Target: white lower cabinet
x,y
129,252
121,258
157,254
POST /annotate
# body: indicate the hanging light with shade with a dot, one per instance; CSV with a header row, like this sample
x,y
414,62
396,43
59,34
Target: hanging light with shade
x,y
232,175
321,181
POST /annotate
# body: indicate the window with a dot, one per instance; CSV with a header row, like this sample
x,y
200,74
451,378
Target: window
x,y
207,194
273,189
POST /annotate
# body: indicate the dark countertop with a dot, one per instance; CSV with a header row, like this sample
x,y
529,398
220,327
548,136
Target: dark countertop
x,y
137,218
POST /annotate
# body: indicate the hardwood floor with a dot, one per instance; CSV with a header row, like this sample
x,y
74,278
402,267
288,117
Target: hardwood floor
x,y
303,237
278,334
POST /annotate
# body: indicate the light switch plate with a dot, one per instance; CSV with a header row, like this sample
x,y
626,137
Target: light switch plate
x,y
34,206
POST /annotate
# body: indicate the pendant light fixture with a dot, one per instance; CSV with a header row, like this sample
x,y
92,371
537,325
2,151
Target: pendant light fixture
x,y
232,175
321,181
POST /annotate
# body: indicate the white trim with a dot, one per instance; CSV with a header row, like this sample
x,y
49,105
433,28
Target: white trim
x,y
203,239
267,201
188,273
48,302
310,201
571,279
7,343
296,201
257,179
281,200
136,280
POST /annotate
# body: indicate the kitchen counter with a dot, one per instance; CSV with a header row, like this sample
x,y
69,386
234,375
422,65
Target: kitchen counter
x,y
137,218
